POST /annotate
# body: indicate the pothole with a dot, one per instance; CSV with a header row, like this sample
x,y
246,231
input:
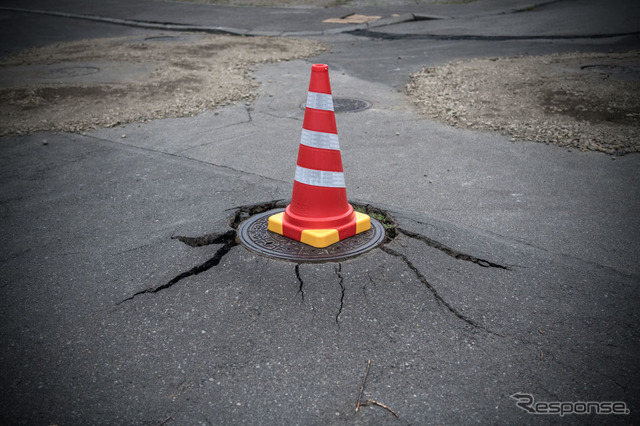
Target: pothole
x,y
347,105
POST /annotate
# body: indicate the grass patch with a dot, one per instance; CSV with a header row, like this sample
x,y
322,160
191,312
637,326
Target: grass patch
x,y
381,216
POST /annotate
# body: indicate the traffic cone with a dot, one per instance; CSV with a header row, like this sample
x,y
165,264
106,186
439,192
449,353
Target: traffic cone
x,y
319,214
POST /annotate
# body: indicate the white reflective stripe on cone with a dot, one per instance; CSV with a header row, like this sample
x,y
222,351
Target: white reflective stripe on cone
x,y
319,101
320,140
319,178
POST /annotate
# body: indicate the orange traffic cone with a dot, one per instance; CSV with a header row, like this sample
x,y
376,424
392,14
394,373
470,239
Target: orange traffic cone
x,y
319,214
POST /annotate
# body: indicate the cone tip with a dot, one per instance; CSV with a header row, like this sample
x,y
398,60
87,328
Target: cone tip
x,y
320,67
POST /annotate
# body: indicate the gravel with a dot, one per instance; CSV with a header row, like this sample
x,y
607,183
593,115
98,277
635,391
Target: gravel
x,y
79,86
586,101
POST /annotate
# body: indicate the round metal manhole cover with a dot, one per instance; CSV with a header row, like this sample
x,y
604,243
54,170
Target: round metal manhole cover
x,y
255,236
346,105
628,72
67,72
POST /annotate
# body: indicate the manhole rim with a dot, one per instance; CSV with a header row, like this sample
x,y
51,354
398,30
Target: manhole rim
x,y
336,100
377,238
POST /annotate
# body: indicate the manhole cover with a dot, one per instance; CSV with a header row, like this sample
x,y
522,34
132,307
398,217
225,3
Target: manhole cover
x,y
255,236
67,72
622,71
346,105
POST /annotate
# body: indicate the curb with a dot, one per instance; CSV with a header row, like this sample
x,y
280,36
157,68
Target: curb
x,y
168,26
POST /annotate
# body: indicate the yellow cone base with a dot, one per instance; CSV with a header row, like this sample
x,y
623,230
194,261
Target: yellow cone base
x,y
319,238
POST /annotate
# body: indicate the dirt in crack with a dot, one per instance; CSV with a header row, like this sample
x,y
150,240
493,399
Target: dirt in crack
x,y
243,213
386,220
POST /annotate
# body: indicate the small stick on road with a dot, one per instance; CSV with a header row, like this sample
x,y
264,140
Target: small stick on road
x,y
366,374
379,404
166,420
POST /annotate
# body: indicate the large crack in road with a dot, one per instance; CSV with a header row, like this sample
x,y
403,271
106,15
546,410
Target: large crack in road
x,y
228,241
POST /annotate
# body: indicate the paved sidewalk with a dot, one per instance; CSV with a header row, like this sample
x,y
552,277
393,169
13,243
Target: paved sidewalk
x,y
513,270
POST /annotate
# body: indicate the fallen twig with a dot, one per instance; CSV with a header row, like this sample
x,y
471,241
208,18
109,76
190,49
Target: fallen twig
x,y
370,401
366,374
166,420
379,404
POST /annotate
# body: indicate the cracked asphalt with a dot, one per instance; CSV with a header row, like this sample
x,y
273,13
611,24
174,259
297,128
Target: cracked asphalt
x,y
512,267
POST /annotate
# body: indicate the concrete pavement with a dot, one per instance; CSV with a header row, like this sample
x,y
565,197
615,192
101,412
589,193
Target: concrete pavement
x,y
514,268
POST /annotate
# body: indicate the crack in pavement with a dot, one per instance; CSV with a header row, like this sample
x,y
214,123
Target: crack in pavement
x,y
436,295
279,116
364,288
451,252
180,157
243,213
228,241
205,240
409,36
338,270
243,32
214,141
130,250
300,290
249,109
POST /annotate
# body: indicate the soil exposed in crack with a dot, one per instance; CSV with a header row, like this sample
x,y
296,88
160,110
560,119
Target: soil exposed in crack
x,y
388,222
243,213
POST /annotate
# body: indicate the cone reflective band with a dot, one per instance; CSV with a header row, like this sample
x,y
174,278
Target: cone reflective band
x,y
319,178
319,101
319,140
319,213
